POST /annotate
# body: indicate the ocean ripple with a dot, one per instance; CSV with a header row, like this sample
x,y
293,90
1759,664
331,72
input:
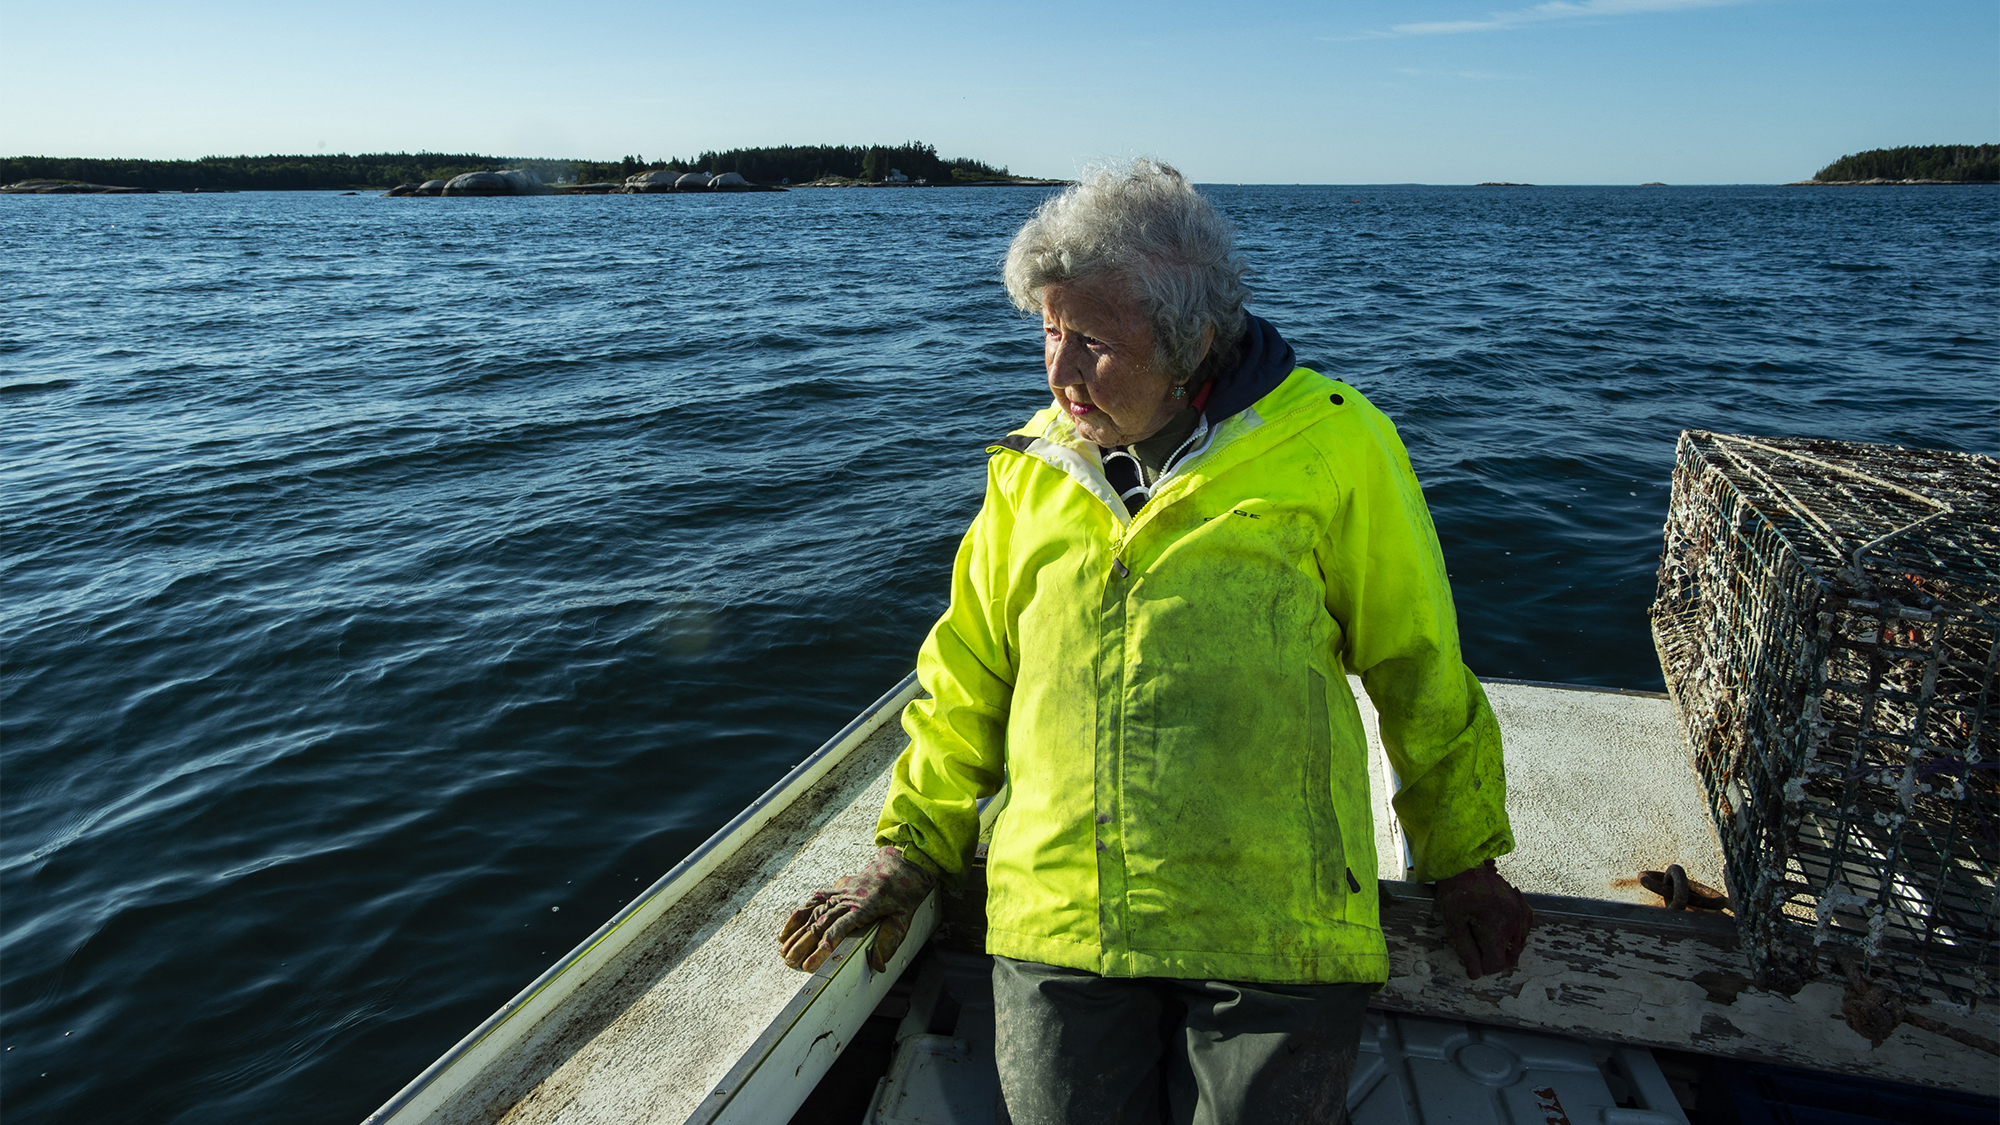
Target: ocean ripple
x,y
382,574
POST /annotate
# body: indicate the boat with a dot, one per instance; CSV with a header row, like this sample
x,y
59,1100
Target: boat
x,y
678,1009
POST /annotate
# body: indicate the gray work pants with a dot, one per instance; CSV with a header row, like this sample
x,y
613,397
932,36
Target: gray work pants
x,y
1075,1048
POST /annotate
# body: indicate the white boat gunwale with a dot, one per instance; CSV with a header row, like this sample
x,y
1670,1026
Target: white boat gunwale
x,y
461,1063
746,1089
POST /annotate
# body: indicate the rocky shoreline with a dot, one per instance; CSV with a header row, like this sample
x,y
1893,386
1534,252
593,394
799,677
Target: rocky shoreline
x,y
485,185
520,181
61,187
1885,183
517,181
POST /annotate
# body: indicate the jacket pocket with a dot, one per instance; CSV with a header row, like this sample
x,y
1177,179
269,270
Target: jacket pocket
x,y
1329,868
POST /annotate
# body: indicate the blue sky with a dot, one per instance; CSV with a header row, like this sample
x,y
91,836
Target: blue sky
x,y
1435,91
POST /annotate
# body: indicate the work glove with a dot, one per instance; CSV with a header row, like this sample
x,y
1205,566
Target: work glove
x,y
888,891
1485,919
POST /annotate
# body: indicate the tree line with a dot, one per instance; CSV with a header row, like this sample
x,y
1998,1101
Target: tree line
x,y
805,163
1954,163
342,172
339,172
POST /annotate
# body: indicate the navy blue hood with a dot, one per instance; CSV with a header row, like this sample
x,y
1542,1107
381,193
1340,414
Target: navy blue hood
x,y
1263,360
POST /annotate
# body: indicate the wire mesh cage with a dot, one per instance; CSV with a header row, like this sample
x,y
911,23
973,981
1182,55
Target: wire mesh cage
x,y
1828,620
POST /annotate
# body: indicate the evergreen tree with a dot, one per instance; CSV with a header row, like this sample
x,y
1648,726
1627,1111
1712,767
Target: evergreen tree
x,y
1952,163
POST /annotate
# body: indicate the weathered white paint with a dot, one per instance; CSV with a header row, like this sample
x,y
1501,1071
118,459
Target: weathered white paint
x,y
1660,978
774,1083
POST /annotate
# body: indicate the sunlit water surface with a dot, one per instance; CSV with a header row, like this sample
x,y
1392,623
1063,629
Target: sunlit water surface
x,y
394,587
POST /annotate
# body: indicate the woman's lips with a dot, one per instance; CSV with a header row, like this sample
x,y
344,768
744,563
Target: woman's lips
x,y
1078,408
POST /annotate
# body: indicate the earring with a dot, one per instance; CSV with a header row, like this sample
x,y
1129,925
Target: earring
x,y
1180,390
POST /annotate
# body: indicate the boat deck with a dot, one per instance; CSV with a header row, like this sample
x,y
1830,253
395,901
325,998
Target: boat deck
x,y
680,1010
1598,789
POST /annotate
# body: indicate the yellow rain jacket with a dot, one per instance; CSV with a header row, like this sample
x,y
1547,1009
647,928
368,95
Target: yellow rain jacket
x,y
1166,698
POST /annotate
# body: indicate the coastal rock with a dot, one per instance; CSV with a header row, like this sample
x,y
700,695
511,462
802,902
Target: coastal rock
x,y
400,190
479,183
511,181
431,187
692,180
59,187
526,182
728,179
651,181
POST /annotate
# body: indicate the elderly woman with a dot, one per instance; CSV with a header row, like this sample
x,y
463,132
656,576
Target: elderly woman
x,y
1153,617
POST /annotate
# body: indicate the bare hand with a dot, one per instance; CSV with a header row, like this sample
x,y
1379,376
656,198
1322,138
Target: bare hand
x,y
1485,919
888,890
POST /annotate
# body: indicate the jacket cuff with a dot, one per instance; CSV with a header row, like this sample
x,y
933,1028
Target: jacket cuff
x,y
911,855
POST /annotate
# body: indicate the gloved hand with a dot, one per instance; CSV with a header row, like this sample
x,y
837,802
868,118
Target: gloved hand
x,y
1485,919
888,890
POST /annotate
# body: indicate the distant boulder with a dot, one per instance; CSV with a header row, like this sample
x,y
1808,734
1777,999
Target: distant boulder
x,y
728,179
692,180
512,181
527,183
60,187
401,190
651,181
479,183
431,187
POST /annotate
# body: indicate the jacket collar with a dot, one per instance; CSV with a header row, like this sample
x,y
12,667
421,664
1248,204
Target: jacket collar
x,y
1051,437
1264,359
1259,389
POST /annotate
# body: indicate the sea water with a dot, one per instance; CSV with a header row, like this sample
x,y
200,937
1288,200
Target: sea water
x,y
394,587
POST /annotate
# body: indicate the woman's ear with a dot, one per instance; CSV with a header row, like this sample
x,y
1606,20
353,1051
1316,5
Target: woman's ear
x,y
1207,342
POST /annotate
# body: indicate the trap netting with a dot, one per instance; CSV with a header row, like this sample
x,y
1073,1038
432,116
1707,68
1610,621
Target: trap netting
x,y
1828,621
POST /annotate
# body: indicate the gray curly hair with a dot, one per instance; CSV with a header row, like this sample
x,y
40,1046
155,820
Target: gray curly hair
x,y
1145,223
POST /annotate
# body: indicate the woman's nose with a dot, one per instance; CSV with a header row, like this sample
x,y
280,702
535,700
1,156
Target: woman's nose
x,y
1063,369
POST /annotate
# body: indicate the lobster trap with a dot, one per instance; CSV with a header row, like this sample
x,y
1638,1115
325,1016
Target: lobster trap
x,y
1828,620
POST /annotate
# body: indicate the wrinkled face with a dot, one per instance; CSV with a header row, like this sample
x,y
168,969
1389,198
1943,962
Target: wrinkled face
x,y
1099,349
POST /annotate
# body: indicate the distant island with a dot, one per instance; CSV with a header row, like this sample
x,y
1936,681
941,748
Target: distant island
x,y
827,165
814,164
1914,164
